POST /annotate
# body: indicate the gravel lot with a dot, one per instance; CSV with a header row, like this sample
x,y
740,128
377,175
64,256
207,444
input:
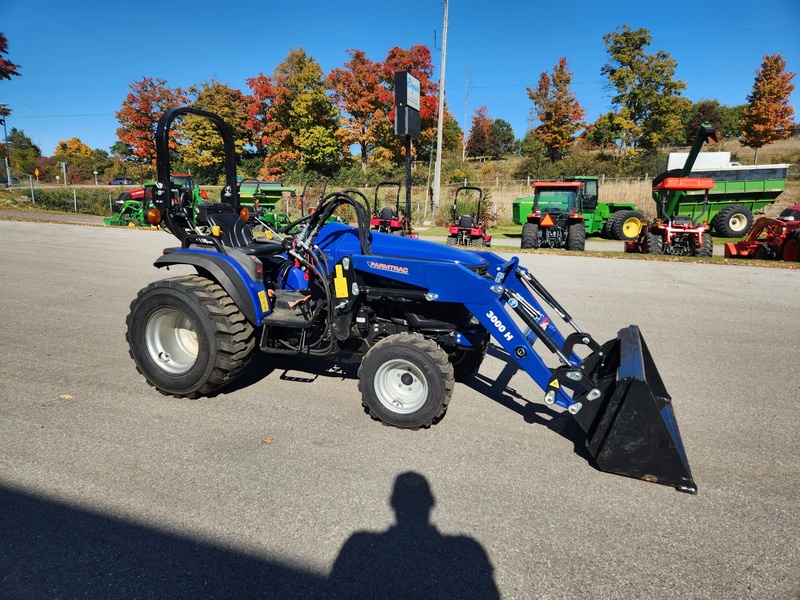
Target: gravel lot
x,y
280,486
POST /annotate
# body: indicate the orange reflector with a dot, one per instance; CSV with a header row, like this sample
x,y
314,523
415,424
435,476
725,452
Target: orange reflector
x,y
547,221
154,216
203,195
244,214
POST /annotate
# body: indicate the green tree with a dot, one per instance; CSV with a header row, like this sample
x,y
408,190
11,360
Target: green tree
x,y
7,68
645,89
25,152
556,109
139,115
293,119
203,151
501,139
768,116
730,118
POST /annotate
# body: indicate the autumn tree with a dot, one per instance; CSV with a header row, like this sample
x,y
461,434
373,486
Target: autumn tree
x,y
556,109
768,116
23,159
478,141
292,117
203,149
78,157
139,115
646,93
357,92
7,68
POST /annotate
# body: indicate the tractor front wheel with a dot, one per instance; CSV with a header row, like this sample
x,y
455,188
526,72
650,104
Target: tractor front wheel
x,y
530,236
187,337
791,247
406,381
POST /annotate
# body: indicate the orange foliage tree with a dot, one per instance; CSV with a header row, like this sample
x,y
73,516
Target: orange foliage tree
x,y
139,115
768,116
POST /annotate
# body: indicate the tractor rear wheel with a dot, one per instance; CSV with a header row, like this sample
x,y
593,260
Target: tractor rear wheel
x,y
406,381
187,337
655,243
733,221
576,237
530,236
707,249
451,240
627,225
791,247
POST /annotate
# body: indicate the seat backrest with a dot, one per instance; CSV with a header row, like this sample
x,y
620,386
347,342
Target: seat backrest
x,y
466,221
387,214
234,232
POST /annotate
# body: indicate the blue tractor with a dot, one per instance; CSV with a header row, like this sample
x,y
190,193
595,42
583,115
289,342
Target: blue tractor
x,y
417,316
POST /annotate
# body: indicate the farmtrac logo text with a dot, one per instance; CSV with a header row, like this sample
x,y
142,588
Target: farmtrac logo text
x,y
385,267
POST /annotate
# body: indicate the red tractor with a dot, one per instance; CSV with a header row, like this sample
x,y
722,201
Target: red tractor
x,y
771,238
676,235
468,229
388,219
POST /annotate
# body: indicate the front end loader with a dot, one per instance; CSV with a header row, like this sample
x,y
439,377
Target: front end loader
x,y
417,317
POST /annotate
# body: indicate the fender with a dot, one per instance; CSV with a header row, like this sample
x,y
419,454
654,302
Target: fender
x,y
250,300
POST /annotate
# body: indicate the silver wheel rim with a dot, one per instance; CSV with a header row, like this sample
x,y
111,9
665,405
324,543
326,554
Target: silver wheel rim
x,y
400,386
171,340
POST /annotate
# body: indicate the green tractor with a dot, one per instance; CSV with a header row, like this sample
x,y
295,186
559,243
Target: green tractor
x,y
131,207
554,219
612,220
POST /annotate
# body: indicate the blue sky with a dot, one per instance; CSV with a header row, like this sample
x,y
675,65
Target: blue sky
x,y
78,58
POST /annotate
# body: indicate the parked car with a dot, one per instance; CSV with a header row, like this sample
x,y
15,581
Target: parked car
x,y
121,181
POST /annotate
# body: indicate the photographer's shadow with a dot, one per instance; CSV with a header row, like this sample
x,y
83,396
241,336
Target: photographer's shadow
x,y
411,559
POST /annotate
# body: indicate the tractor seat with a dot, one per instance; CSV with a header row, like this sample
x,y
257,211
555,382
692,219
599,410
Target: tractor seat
x,y
681,220
466,221
235,233
387,214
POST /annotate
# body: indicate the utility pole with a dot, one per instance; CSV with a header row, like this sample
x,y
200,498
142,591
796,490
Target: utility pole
x,y
437,171
4,112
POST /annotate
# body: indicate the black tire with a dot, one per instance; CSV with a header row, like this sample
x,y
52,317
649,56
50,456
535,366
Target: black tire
x,y
406,381
655,243
791,247
707,249
124,197
187,337
733,221
576,237
608,229
530,236
478,242
466,362
627,225
451,240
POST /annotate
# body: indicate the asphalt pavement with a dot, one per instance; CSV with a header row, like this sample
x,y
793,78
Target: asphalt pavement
x,y
280,486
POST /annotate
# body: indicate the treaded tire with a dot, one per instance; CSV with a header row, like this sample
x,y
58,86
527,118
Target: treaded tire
x,y
451,241
655,243
627,225
791,247
733,221
530,236
707,249
187,337
406,381
576,237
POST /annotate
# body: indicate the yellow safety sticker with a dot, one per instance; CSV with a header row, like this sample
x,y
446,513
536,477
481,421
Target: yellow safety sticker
x,y
340,283
262,296
554,384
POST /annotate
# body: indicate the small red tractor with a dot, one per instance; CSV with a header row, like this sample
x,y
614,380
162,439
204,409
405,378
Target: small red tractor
x,y
677,235
388,219
468,229
771,238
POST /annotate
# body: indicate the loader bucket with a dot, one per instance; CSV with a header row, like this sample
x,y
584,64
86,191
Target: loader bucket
x,y
631,429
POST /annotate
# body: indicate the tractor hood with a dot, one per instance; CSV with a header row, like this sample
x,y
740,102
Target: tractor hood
x,y
338,240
